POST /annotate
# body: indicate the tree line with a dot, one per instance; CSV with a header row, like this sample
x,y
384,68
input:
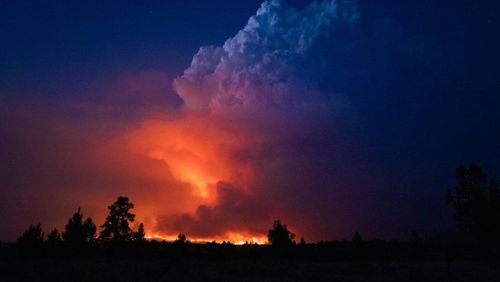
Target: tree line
x,y
475,201
116,229
79,232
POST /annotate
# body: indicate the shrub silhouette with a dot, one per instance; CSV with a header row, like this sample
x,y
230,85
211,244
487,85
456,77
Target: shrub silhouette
x,y
117,224
31,237
77,231
279,236
476,204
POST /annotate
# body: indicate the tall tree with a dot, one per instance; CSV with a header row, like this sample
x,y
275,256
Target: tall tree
x,y
77,231
476,204
280,236
117,224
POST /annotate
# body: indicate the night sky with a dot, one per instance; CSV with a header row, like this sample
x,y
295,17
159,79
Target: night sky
x,y
217,117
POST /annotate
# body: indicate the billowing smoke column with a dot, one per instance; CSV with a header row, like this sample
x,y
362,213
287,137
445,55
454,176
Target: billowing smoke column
x,y
265,66
270,123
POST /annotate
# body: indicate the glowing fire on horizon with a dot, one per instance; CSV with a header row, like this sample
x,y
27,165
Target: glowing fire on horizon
x,y
235,238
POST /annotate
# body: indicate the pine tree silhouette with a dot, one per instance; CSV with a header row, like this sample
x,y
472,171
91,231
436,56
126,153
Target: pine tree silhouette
x,y
117,224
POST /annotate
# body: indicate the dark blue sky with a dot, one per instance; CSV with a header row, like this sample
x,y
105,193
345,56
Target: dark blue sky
x,y
61,42
423,77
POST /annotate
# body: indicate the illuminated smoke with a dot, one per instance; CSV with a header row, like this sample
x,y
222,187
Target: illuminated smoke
x,y
265,66
260,84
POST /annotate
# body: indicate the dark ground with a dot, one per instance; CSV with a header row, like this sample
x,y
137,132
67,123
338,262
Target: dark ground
x,y
114,269
194,270
326,261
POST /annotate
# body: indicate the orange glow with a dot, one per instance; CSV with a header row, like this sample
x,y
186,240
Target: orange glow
x,y
195,152
167,164
198,153
235,238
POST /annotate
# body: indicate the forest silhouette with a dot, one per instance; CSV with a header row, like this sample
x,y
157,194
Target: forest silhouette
x,y
475,201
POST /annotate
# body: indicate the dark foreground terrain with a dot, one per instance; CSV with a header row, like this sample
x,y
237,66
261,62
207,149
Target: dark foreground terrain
x,y
116,269
337,261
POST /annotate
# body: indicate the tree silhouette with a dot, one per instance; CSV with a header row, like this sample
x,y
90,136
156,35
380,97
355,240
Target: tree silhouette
x,y
139,236
415,237
181,239
356,238
476,203
279,236
302,241
117,225
77,231
54,237
31,237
